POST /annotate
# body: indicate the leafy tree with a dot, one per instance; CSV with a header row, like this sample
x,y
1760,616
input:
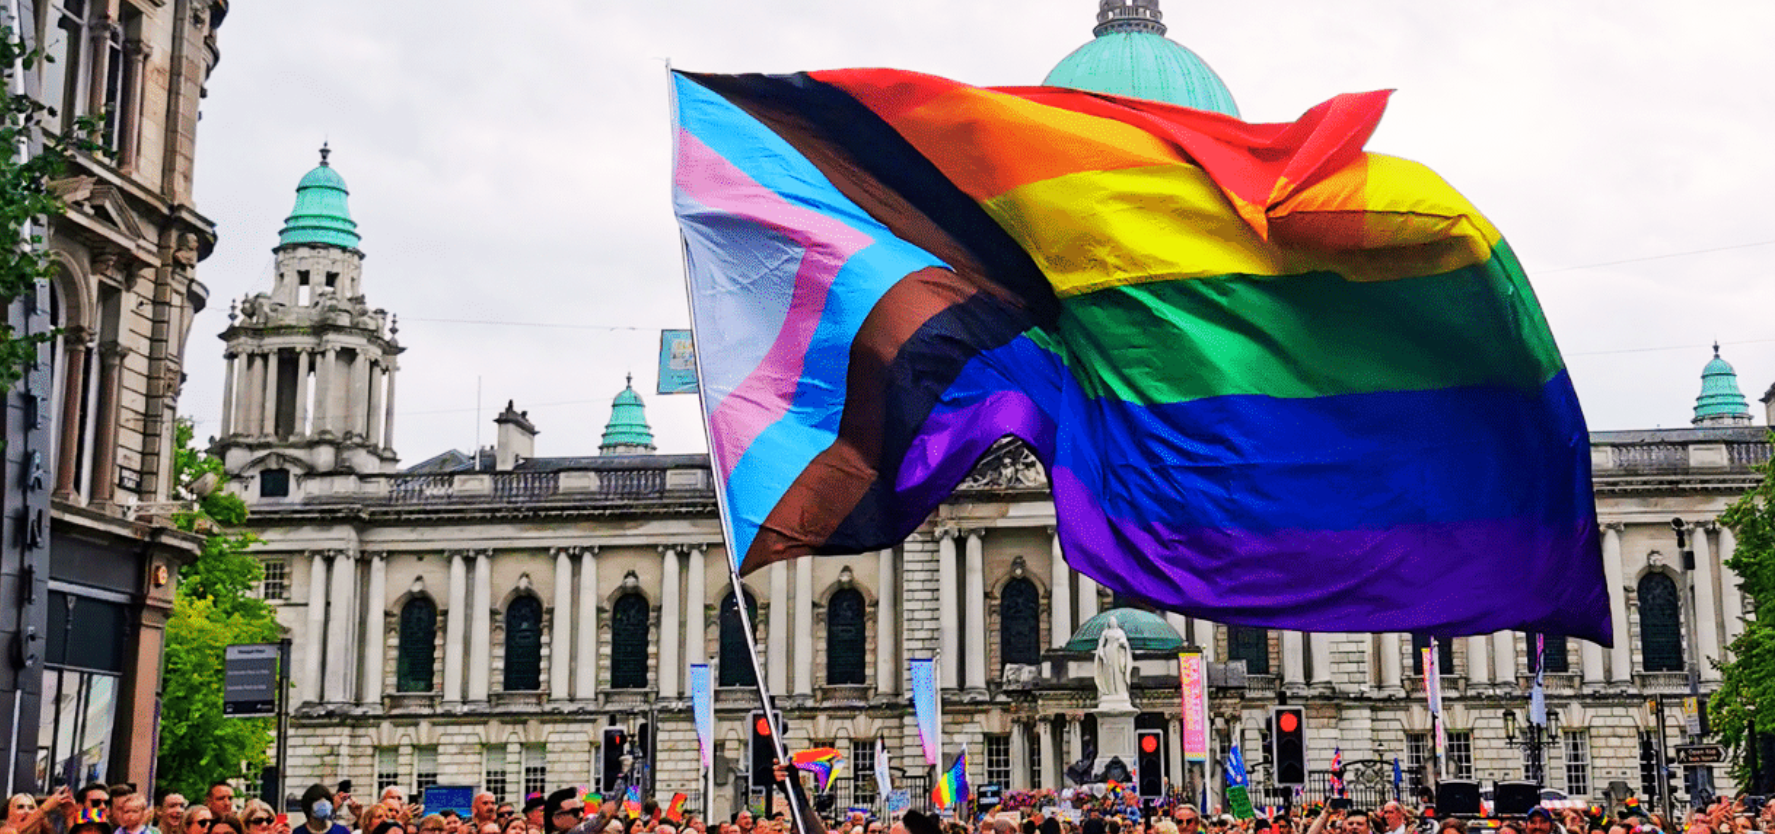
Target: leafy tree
x,y
213,609
1747,687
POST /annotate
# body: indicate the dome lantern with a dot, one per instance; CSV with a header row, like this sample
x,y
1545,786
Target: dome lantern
x,y
1720,403
321,216
627,433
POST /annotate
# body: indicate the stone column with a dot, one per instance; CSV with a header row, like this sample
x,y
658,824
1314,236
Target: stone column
x,y
1059,595
585,687
324,370
455,628
671,592
227,384
1044,731
1503,656
314,643
73,385
357,398
1613,571
1731,587
1075,744
104,446
777,644
1319,643
1478,659
375,617
1591,654
373,434
949,617
252,394
269,426
561,629
804,627
1179,771
480,634
1392,674
887,631
343,610
1088,603
304,362
1019,757
388,419
1707,631
976,610
1294,674
696,607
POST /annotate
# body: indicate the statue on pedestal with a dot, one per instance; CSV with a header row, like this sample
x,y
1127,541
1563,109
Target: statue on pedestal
x,y
1114,663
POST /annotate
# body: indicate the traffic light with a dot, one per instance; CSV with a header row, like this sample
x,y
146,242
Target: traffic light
x,y
616,743
1288,745
1150,759
764,749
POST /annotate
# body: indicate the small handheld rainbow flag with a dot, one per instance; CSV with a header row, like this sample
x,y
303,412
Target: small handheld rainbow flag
x,y
593,800
952,786
91,815
822,762
675,811
631,803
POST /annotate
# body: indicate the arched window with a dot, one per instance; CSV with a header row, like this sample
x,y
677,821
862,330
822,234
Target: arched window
x,y
1558,661
1660,624
416,652
1020,623
628,642
523,645
736,651
1251,645
1445,654
847,639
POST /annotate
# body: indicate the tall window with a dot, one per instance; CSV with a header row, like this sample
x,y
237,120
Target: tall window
x,y
1660,624
1460,754
493,771
1417,754
736,651
523,645
998,760
388,767
1559,661
536,769
1445,654
862,768
628,642
1577,763
1251,645
65,45
847,641
418,645
275,583
1020,623
425,767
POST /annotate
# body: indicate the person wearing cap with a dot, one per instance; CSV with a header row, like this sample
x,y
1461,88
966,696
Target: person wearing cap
x,y
1540,821
533,811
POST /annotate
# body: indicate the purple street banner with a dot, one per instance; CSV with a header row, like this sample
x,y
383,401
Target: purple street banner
x,y
925,707
1191,678
702,707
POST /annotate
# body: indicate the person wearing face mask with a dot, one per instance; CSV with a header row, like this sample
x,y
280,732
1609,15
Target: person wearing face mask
x,y
317,806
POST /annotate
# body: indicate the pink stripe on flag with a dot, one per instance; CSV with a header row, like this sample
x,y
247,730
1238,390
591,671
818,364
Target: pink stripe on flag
x,y
766,393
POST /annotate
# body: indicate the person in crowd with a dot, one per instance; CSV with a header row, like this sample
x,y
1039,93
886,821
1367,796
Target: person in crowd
x,y
1456,825
484,809
129,813
169,812
452,821
563,810
533,811
199,820
1393,818
220,800
93,822
504,812
227,824
490,827
1540,821
38,817
317,807
514,824
374,816
18,809
391,824
431,824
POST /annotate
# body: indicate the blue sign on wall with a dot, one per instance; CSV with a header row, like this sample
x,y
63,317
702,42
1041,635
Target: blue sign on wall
x,y
458,798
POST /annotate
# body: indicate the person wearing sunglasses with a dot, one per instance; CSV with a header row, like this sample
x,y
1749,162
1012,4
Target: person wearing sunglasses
x,y
259,818
199,820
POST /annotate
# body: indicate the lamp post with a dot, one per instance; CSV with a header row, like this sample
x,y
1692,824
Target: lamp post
x,y
1533,743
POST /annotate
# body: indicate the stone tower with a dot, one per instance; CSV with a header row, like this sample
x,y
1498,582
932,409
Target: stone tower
x,y
310,381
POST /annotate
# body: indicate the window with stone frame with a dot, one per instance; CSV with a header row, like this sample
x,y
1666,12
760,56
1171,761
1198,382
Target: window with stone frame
x,y
1417,756
1445,655
416,649
274,583
862,768
1251,645
1559,659
1020,623
1460,754
425,767
1577,762
523,644
65,72
847,639
998,760
536,769
493,771
1660,624
736,651
388,768
629,641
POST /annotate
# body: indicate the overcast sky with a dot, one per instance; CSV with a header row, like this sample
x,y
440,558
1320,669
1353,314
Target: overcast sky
x,y
508,162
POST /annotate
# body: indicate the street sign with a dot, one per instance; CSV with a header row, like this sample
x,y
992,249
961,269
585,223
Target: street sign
x,y
249,680
1700,754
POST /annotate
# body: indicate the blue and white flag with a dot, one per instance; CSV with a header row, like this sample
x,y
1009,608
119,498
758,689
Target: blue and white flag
x,y
1235,769
702,706
926,707
884,784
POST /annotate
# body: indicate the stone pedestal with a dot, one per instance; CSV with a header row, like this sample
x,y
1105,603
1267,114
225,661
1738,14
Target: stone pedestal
x,y
1115,735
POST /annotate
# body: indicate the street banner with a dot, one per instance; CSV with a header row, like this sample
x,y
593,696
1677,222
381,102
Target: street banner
x,y
1537,696
677,362
1238,786
1190,673
925,706
702,706
1433,692
884,782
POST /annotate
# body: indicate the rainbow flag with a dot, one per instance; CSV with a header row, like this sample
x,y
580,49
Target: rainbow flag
x,y
952,786
822,762
631,802
1336,777
675,811
1276,380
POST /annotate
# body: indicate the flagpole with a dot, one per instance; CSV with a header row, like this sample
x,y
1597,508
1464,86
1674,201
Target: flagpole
x,y
715,475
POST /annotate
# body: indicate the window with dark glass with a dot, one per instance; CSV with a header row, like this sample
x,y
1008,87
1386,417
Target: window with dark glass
x,y
1445,654
1020,623
847,640
1660,624
1558,661
274,483
523,645
416,652
628,642
736,651
1251,645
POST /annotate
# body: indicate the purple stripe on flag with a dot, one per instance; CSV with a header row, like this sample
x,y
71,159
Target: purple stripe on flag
x,y
768,390
948,444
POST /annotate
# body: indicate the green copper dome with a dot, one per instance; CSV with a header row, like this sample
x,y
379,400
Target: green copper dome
x,y
1720,403
627,432
320,215
1147,632
1130,56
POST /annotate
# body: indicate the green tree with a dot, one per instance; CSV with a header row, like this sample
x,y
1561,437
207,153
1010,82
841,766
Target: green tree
x,y
1747,687
213,609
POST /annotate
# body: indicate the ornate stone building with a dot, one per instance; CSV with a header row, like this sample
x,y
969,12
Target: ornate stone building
x,y
478,619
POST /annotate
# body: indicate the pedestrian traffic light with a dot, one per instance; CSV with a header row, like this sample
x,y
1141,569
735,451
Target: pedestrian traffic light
x,y
764,749
1150,763
1288,745
616,743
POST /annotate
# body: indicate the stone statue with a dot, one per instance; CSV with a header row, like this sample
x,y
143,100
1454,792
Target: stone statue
x,y
1115,660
